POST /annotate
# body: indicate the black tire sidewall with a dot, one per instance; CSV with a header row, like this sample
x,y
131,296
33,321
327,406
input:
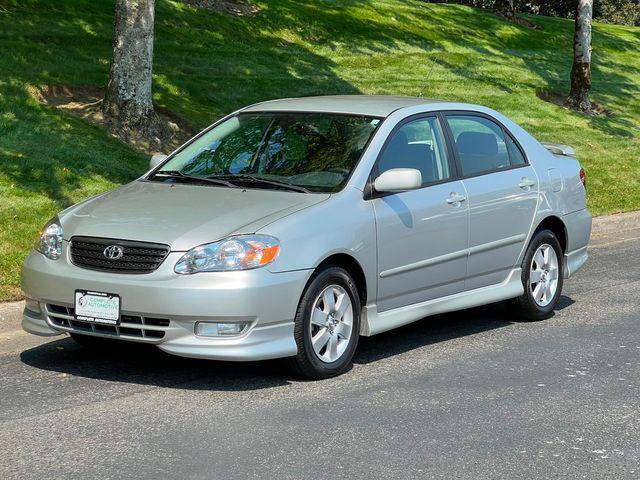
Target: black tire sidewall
x,y
540,238
308,363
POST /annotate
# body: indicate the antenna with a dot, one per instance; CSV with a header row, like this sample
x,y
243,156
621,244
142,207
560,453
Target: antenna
x,y
426,81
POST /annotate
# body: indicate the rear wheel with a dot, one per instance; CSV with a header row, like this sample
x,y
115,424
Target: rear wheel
x,y
541,278
327,324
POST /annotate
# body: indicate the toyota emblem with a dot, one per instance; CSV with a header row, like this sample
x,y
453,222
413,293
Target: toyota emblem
x,y
113,252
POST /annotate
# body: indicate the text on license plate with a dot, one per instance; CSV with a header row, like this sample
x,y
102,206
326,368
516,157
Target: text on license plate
x,y
98,307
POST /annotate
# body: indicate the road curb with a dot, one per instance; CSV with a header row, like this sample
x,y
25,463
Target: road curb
x,y
616,223
10,315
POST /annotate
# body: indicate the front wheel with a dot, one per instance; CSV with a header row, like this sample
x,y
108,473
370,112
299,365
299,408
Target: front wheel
x,y
327,324
541,277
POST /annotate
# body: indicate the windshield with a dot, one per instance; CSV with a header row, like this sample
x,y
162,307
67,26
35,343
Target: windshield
x,y
314,151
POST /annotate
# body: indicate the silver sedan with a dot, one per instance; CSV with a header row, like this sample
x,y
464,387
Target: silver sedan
x,y
292,227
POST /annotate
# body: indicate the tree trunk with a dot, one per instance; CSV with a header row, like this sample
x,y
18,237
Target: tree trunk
x,y
581,70
506,8
128,99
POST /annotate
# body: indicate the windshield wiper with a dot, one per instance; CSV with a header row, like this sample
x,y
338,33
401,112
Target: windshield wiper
x,y
179,174
263,181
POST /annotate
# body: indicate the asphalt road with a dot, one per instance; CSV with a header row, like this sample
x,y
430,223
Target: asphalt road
x,y
469,395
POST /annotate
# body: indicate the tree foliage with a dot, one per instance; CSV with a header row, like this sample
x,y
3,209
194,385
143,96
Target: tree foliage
x,y
560,8
623,12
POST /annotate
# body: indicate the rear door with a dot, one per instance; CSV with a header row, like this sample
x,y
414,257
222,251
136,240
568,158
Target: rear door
x,y
502,192
422,234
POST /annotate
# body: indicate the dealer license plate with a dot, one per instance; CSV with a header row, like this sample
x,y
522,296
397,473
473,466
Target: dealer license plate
x,y
97,307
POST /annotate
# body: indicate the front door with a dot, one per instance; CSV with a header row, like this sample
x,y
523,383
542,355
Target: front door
x,y
422,234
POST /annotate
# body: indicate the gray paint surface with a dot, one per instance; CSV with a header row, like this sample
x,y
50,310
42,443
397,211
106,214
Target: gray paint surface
x,y
374,105
466,395
182,216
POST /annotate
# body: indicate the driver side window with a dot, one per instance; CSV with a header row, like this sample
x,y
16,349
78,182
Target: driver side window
x,y
418,144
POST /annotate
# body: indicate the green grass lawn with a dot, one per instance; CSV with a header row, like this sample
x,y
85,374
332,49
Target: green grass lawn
x,y
207,64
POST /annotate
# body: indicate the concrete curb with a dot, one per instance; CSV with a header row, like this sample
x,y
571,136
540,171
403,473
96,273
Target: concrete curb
x,y
608,224
614,229
10,315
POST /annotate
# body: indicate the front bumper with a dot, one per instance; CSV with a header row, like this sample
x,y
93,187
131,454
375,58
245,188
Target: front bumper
x,y
265,300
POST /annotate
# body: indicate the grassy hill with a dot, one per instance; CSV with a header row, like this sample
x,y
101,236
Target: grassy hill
x,y
208,63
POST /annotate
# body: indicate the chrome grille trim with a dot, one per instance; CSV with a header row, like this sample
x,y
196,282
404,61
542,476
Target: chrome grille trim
x,y
138,257
132,327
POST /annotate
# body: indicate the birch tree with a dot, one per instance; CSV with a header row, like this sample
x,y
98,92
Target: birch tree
x,y
581,70
128,98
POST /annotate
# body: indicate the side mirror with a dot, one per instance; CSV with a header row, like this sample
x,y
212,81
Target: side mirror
x,y
156,159
398,180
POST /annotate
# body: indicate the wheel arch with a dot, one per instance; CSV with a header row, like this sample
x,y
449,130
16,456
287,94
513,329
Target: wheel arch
x,y
557,226
352,266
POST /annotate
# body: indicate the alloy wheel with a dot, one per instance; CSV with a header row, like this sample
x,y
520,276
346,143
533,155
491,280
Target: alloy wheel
x,y
331,323
543,276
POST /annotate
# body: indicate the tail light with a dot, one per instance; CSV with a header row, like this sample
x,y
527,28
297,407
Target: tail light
x,y
583,178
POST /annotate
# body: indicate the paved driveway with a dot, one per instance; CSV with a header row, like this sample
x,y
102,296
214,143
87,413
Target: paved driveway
x,y
468,395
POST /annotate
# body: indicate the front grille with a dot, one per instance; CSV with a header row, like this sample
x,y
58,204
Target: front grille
x,y
131,326
138,257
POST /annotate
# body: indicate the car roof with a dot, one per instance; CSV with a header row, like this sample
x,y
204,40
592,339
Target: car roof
x,y
370,105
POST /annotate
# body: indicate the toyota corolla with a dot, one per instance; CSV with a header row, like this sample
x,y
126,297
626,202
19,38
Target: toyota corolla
x,y
292,227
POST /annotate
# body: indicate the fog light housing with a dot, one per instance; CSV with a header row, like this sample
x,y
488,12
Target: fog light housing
x,y
219,329
32,306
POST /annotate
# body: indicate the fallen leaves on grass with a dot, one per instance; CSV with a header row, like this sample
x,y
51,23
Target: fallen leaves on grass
x,y
85,102
560,100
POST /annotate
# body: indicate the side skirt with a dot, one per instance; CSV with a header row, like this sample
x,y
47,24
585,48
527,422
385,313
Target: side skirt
x,y
574,261
374,322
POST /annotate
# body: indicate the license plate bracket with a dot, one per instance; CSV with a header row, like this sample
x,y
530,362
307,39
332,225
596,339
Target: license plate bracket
x,y
97,307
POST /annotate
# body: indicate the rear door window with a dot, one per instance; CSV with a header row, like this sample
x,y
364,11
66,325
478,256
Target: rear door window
x,y
480,143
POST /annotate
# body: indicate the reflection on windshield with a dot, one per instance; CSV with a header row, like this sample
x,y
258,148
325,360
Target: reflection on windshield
x,y
316,151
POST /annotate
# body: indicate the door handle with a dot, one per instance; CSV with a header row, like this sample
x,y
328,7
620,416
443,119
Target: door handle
x,y
526,183
455,198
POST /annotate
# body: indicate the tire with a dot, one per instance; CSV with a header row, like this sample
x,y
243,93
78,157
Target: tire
x,y
93,343
317,320
544,260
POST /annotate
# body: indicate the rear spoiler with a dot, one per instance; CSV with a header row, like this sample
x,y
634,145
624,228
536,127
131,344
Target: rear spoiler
x,y
562,150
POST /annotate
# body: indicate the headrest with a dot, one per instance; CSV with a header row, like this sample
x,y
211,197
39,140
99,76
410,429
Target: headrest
x,y
477,143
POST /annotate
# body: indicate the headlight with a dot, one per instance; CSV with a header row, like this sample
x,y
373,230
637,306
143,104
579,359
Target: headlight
x,y
50,241
241,252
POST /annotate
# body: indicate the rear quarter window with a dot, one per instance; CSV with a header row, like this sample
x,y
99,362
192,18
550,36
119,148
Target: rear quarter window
x,y
515,154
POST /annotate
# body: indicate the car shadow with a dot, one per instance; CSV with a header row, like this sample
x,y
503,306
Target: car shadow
x,y
432,330
439,328
147,365
563,303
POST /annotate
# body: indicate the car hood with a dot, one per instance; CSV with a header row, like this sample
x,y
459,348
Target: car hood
x,y
182,216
